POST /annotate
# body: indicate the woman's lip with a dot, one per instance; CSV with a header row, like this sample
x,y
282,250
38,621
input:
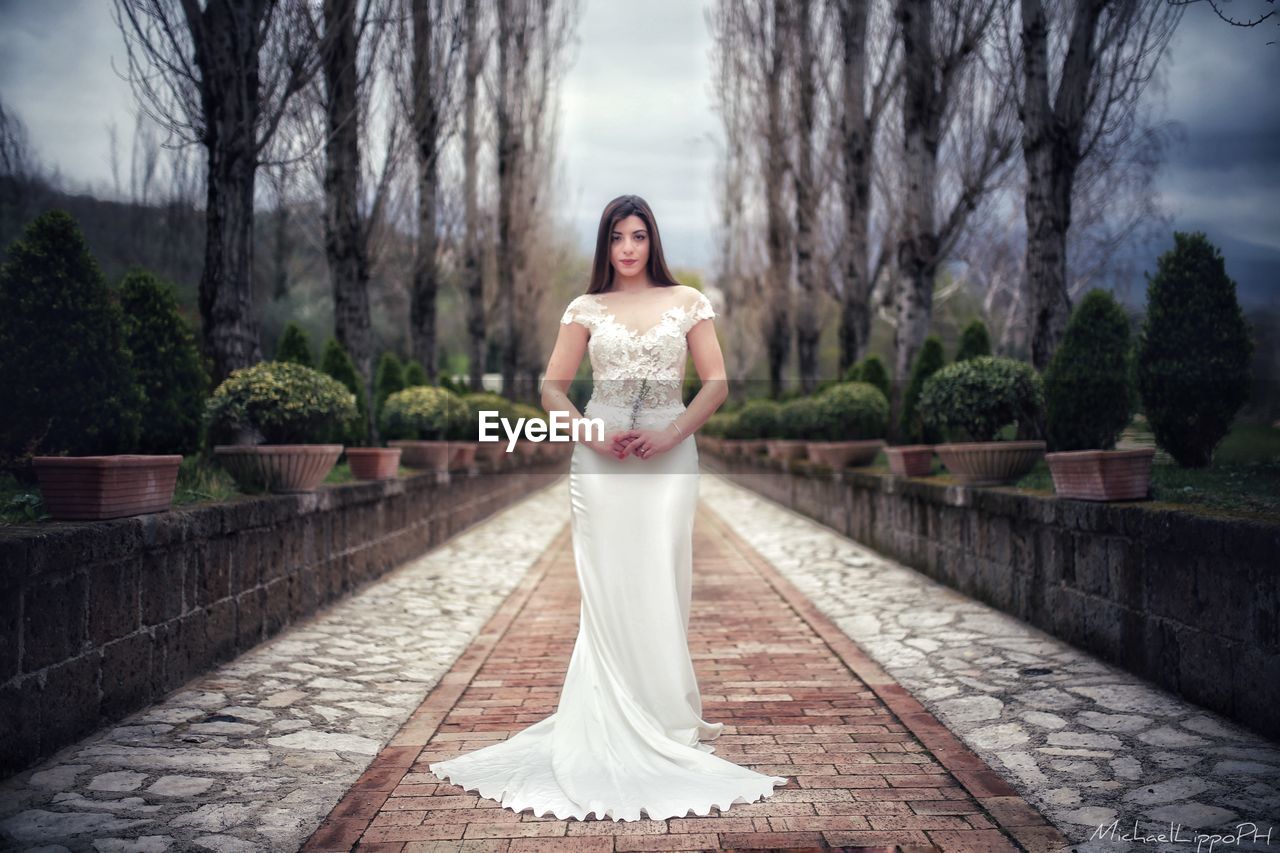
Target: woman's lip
x,y
628,262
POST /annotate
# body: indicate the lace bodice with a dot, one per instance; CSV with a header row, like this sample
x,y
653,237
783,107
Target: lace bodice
x,y
638,353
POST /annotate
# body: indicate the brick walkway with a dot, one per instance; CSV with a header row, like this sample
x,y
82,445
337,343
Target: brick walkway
x,y
869,766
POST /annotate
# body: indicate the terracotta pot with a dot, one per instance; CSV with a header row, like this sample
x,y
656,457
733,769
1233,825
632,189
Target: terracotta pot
x,y
910,460
990,463
426,455
527,449
844,454
754,446
93,488
280,468
494,452
464,453
374,463
786,448
1102,475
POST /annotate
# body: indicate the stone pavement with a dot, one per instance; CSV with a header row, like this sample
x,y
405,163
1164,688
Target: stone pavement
x,y
253,755
1086,743
868,766
256,754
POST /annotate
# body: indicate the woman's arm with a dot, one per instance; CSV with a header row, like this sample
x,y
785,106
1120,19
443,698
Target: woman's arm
x,y
704,346
566,356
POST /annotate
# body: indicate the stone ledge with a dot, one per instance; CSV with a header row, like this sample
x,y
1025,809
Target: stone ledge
x,y
98,619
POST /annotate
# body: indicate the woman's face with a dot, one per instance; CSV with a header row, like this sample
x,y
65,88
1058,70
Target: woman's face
x,y
629,246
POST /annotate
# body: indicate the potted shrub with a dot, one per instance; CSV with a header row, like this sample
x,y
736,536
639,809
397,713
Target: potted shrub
x,y
852,419
914,456
279,420
1194,352
978,398
366,462
797,425
1088,402
757,422
420,421
71,391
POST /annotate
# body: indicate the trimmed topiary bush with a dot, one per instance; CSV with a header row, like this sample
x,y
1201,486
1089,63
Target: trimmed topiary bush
x,y
487,400
852,411
1088,396
295,345
1194,351
758,418
974,341
913,428
336,362
425,413
67,382
801,418
278,402
874,372
388,378
167,363
414,374
980,396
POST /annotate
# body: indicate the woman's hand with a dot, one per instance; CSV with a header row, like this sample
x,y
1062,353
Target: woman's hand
x,y
614,443
648,443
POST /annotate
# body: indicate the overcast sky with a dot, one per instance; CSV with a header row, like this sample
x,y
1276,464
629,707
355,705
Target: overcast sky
x,y
637,114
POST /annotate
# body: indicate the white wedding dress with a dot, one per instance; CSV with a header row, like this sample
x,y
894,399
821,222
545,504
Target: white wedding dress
x,y
624,738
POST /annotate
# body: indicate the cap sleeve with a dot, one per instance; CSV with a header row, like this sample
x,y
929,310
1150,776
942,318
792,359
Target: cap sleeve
x,y
700,309
578,312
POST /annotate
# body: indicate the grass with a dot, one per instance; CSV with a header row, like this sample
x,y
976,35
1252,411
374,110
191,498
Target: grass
x,y
1242,481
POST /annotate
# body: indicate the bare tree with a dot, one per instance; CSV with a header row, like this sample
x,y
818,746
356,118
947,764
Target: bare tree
x,y
862,102
1105,54
222,77
15,145
757,32
741,255
958,134
532,37
476,40
434,45
805,46
355,32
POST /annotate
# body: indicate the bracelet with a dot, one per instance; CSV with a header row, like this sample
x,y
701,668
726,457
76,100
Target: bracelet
x,y
677,426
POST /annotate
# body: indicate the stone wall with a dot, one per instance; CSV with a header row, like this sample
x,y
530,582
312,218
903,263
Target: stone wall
x,y
1186,600
99,619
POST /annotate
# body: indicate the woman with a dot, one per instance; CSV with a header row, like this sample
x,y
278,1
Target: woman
x,y
624,738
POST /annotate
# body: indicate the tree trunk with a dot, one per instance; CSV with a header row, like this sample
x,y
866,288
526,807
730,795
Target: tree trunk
x,y
229,98
426,135
508,151
855,313
808,322
777,322
917,248
1050,145
472,280
345,247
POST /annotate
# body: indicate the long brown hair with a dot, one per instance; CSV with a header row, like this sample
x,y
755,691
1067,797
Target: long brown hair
x,y
614,212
